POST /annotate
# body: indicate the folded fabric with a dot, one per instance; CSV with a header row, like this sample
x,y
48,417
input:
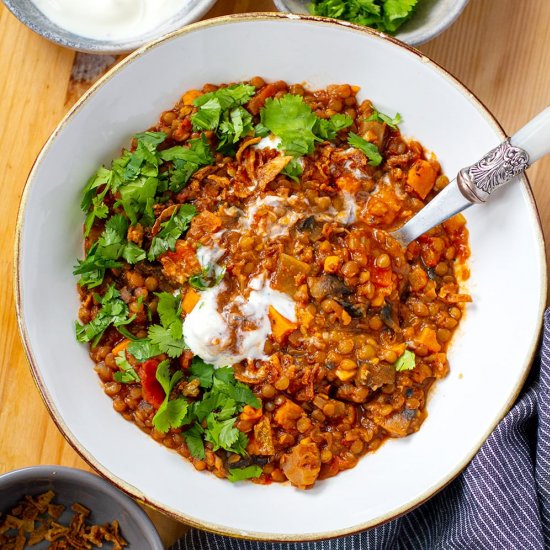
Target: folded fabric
x,y
500,501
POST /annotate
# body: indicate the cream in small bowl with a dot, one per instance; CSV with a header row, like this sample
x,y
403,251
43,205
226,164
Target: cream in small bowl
x,y
109,19
106,26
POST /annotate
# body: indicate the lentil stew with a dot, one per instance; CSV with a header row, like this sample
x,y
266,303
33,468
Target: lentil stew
x,y
242,299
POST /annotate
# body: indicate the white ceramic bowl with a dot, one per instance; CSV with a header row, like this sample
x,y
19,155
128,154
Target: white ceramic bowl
x,y
489,357
430,18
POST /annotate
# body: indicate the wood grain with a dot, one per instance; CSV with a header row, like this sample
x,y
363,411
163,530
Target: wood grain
x,y
499,48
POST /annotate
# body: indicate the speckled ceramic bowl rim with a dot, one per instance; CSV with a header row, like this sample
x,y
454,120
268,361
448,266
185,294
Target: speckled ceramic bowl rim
x,y
83,478
91,45
134,492
432,32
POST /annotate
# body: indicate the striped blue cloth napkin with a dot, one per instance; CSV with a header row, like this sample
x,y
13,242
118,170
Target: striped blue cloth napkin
x,y
501,501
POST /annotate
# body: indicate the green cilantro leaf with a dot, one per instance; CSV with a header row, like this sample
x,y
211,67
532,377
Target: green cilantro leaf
x,y
133,174
369,149
102,177
228,97
244,395
221,433
172,412
136,196
187,160
208,116
240,474
209,276
143,349
406,362
171,230
166,337
202,371
103,254
164,340
133,254
99,210
327,129
169,310
384,15
261,131
381,117
193,437
92,268
222,112
209,403
235,123
127,373
113,312
225,375
292,120
293,170
396,12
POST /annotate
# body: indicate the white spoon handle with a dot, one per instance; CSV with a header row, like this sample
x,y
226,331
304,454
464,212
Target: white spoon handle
x,y
534,137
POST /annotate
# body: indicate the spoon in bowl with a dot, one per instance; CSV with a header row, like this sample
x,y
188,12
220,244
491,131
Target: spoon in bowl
x,y
474,184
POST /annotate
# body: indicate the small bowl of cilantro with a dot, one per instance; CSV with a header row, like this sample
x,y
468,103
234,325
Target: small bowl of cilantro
x,y
411,21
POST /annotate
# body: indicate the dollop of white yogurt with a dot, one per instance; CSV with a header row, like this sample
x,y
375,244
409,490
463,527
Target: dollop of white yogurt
x,y
207,331
110,19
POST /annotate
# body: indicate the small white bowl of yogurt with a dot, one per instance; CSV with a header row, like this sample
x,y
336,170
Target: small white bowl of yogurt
x,y
106,26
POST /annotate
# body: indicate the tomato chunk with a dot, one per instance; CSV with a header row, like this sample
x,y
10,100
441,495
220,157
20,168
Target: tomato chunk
x,y
152,390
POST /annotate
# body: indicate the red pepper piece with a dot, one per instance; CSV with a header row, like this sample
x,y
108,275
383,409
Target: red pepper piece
x,y
152,390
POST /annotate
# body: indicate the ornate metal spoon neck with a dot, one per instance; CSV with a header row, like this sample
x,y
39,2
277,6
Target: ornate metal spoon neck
x,y
494,170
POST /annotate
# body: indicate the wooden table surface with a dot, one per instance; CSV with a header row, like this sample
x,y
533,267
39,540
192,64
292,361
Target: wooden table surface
x,y
499,48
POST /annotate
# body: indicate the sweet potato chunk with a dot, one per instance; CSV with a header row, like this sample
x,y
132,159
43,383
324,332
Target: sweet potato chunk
x,y
281,327
287,414
190,300
302,465
421,177
429,339
257,102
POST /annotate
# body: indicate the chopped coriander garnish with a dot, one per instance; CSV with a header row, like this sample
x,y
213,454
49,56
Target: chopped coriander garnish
x,y
171,231
384,15
219,408
381,117
194,439
105,252
222,112
127,373
113,312
293,170
240,474
143,349
210,276
292,120
370,150
166,337
202,371
327,129
406,362
187,160
172,412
